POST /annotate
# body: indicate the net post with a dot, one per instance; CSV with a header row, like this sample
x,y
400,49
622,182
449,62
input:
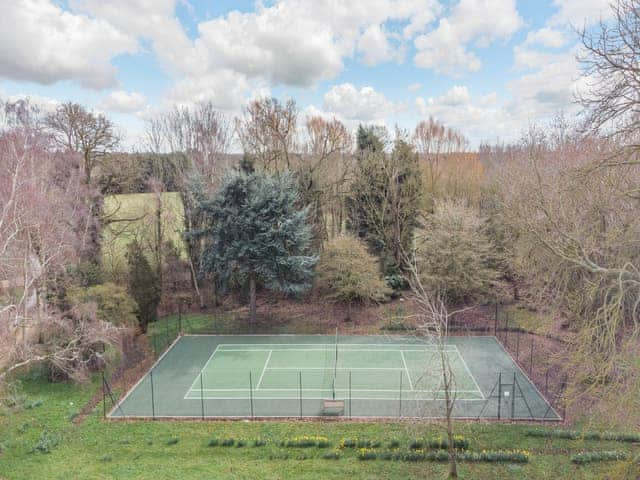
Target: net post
x,y
201,396
499,393
349,393
153,399
251,393
104,397
400,397
300,390
513,396
179,318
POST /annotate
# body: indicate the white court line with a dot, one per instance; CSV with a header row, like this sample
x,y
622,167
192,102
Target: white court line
x,y
406,369
337,368
202,370
346,346
378,350
264,369
324,390
469,372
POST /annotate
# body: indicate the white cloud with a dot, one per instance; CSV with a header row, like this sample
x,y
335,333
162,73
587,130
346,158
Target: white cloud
x,y
40,42
547,37
414,87
225,89
374,46
476,22
580,12
526,58
457,95
364,105
123,102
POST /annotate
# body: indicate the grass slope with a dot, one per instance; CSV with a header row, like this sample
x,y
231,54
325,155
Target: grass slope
x,y
99,449
133,216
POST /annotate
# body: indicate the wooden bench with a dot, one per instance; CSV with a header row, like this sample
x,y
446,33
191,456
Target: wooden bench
x,y
333,407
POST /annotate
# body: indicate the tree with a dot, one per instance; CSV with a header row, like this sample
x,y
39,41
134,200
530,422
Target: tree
x,y
452,253
144,285
256,234
382,204
202,135
348,273
268,133
75,129
113,303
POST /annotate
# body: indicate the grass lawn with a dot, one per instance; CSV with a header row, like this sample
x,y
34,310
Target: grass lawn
x,y
99,449
142,208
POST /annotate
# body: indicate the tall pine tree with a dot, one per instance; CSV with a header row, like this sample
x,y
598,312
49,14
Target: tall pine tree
x,y
255,234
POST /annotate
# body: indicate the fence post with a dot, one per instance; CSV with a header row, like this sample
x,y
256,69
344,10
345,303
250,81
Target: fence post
x,y
546,383
300,384
251,393
400,397
531,356
153,400
499,393
506,330
513,397
104,397
495,320
201,395
179,318
517,345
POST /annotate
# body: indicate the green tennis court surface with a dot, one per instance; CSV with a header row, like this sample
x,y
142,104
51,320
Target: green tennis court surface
x,y
290,376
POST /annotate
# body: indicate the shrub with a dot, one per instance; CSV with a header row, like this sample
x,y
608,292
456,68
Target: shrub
x,y
348,273
394,443
228,442
592,457
359,443
214,442
496,456
172,441
452,253
112,301
143,284
106,458
397,326
241,443
259,442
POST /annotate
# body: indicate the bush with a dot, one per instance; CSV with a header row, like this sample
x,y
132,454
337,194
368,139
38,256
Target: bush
x,y
397,326
259,442
359,443
228,442
333,455
367,454
452,253
592,457
144,285
214,442
348,273
113,303
172,441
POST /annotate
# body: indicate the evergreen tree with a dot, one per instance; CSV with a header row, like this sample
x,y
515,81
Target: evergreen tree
x,y
384,200
256,234
144,285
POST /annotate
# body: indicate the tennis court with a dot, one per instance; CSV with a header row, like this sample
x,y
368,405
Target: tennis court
x,y
293,376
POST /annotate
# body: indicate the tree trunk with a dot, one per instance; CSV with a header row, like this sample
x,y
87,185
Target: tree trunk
x,y
252,297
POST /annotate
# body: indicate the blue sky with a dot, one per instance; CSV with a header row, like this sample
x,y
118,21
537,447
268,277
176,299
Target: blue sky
x,y
486,67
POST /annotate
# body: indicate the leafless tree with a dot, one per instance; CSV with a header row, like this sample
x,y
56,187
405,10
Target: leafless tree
x,y
203,134
268,132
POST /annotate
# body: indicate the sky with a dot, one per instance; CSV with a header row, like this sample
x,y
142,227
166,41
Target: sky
x,y
489,68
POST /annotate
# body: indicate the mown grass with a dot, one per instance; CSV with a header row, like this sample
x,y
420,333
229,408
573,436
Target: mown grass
x,y
99,449
135,218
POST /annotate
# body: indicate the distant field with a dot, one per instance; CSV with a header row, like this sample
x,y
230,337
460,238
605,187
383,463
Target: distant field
x,y
135,218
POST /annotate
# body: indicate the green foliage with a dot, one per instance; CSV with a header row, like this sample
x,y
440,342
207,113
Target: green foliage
x,y
383,199
172,441
576,435
347,272
113,303
259,442
144,285
306,441
604,456
452,253
46,442
214,442
228,442
255,233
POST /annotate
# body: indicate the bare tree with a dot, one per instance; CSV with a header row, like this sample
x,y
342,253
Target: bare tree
x,y
203,134
268,132
612,72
